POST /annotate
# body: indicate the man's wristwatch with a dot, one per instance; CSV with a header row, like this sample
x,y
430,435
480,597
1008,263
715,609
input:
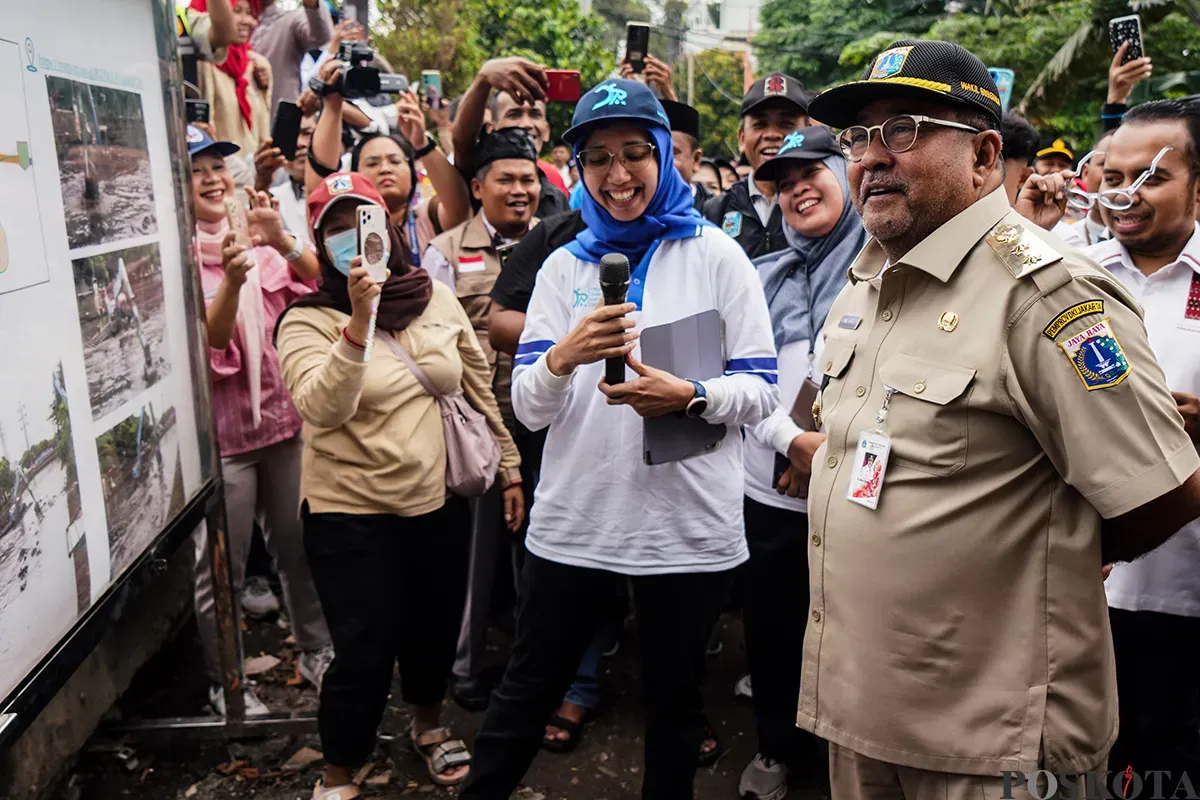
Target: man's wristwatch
x,y
698,404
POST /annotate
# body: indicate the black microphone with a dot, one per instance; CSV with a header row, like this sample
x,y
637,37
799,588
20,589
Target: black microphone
x,y
614,281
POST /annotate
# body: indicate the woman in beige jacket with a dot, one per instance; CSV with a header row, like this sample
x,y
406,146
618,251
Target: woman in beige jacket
x,y
388,546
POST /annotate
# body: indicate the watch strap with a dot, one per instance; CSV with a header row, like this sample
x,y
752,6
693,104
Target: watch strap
x,y
429,147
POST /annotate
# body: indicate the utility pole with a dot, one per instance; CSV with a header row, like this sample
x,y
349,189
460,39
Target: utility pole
x,y
691,65
24,423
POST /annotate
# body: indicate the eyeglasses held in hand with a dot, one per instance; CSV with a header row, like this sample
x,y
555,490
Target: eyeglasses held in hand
x,y
1081,198
634,157
898,134
1114,199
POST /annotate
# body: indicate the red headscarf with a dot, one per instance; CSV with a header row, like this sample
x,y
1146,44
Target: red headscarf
x,y
238,59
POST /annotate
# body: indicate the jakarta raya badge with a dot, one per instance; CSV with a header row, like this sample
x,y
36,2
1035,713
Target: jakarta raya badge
x,y
1097,356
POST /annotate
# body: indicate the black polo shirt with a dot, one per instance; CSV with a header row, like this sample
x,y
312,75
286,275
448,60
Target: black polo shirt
x,y
735,214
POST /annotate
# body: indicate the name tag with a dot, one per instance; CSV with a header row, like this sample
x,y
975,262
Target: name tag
x,y
470,264
850,322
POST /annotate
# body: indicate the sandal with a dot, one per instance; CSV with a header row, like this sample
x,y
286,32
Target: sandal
x,y
441,754
714,755
337,793
573,730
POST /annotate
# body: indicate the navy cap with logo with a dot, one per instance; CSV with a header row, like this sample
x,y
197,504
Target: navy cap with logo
x,y
199,142
814,143
616,100
917,70
683,118
773,88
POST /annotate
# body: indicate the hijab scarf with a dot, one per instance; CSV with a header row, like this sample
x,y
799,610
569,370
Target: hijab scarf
x,y
405,295
250,315
802,281
671,214
236,62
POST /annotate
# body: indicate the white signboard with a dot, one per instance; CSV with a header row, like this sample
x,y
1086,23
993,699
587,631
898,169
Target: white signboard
x,y
99,441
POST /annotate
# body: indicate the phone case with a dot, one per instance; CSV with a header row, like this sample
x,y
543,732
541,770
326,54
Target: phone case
x,y
373,241
285,129
236,214
1127,29
564,86
637,43
431,82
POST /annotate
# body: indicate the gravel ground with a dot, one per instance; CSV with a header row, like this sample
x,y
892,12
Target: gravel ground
x,y
607,765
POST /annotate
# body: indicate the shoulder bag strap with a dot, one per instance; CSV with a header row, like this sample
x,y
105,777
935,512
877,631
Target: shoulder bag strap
x,y
417,372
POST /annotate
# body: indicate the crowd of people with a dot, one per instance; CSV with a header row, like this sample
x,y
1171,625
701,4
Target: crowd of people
x,y
955,470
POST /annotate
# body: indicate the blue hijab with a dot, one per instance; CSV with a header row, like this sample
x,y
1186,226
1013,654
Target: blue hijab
x,y
670,215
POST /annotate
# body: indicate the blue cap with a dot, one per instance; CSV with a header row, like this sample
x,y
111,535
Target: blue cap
x,y
616,100
199,141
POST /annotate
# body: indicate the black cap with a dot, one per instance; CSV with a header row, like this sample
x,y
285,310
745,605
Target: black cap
x,y
924,70
776,86
683,117
1055,147
814,143
506,143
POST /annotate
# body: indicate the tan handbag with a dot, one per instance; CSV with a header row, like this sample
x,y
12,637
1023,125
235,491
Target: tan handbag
x,y
472,453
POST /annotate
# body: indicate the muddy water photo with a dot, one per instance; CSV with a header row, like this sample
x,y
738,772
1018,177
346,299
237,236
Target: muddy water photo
x,y
141,479
45,581
103,164
120,300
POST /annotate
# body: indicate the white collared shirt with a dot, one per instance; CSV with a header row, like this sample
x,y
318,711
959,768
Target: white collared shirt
x,y
762,206
1168,579
293,211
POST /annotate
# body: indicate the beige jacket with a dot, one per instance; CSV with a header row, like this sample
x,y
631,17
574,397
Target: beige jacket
x,y
373,441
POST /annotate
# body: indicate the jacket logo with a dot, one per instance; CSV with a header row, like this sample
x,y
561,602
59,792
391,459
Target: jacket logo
x,y
732,223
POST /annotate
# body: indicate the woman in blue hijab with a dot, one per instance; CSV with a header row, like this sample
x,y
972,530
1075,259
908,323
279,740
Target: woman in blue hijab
x,y
602,515
824,235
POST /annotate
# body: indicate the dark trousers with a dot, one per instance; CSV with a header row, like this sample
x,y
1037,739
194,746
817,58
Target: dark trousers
x,y
559,611
776,606
1158,692
392,589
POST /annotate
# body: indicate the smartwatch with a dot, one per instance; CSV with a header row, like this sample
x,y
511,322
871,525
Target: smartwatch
x,y
698,404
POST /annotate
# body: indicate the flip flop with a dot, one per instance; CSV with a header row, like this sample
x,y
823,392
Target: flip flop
x,y
574,731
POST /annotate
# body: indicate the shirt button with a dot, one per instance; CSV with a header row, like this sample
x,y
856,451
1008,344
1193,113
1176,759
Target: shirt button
x,y
816,615
919,387
860,391
831,462
816,540
828,365
887,315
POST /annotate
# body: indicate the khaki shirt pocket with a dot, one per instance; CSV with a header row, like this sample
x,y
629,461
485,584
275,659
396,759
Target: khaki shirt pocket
x,y
927,416
835,359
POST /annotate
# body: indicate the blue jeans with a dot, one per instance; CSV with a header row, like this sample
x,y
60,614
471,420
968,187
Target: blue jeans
x,y
585,691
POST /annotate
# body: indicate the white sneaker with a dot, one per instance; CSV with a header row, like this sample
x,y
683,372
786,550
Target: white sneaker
x,y
258,600
314,664
742,691
254,706
763,779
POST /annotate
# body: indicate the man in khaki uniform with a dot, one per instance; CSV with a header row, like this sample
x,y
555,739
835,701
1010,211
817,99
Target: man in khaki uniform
x,y
959,628
468,259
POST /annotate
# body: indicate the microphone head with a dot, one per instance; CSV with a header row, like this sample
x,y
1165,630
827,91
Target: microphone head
x,y
614,269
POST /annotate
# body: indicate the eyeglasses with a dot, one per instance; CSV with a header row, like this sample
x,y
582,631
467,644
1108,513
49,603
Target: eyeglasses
x,y
1081,198
898,134
634,157
1116,199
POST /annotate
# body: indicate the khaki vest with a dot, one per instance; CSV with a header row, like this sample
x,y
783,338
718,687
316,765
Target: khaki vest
x,y
474,289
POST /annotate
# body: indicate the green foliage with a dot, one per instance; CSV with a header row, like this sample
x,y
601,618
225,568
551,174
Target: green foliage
x,y
717,105
457,36
8,481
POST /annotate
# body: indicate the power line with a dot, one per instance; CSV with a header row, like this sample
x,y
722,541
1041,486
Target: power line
x,y
736,101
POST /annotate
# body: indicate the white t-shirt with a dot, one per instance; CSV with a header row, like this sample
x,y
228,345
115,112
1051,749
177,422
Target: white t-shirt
x,y
776,432
598,505
1168,579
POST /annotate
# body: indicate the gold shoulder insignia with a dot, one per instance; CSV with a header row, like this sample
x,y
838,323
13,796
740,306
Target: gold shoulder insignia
x,y
1022,252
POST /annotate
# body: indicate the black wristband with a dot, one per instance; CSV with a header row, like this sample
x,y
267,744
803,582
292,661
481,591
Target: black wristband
x,y
429,147
319,168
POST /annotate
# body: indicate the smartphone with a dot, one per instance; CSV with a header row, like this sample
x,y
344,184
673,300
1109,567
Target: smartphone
x,y
286,128
1127,29
431,83
564,86
235,212
198,111
637,44
373,241
1004,82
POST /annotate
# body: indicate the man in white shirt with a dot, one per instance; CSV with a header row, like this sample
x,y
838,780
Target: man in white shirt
x,y
1154,602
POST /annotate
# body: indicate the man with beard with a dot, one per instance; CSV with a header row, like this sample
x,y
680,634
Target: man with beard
x,y
1154,603
1020,435
774,107
468,259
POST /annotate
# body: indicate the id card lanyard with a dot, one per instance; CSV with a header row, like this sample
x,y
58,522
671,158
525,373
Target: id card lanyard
x,y
871,458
